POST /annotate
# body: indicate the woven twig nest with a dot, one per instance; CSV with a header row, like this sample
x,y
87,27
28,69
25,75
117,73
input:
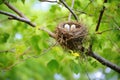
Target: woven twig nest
x,y
71,35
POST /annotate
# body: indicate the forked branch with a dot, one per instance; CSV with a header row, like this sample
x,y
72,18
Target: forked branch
x,y
15,9
12,16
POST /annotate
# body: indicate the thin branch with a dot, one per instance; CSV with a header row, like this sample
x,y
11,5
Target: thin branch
x,y
75,16
100,59
48,1
44,51
82,12
49,32
26,51
12,16
100,17
35,56
6,51
105,62
72,5
93,55
15,9
88,4
105,31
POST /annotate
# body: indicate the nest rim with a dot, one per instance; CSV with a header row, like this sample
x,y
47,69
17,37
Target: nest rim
x,y
72,39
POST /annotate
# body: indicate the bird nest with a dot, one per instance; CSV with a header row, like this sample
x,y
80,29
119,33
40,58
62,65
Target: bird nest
x,y
70,35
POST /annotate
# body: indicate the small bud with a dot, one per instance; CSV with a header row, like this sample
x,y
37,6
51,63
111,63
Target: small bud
x,y
67,27
73,27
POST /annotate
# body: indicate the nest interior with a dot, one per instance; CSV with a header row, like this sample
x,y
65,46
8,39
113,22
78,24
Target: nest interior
x,y
71,35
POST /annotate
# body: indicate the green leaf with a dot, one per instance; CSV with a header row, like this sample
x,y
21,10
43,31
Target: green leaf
x,y
1,65
13,0
77,2
75,67
4,37
2,1
107,53
23,1
94,64
34,42
53,65
107,5
54,8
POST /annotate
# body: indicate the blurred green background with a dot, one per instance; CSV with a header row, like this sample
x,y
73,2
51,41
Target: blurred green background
x,y
27,53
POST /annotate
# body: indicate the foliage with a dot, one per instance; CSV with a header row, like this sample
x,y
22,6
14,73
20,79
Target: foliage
x,y
28,53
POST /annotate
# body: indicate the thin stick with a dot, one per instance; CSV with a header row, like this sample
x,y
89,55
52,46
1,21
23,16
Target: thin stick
x,y
104,31
12,16
86,68
76,18
48,1
72,5
15,9
100,17
105,62
6,51
49,32
18,62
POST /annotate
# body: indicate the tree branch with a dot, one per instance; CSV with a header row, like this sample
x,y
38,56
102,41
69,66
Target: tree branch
x,y
76,18
107,30
105,62
69,17
100,17
98,58
15,9
49,32
6,51
103,31
48,1
17,18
